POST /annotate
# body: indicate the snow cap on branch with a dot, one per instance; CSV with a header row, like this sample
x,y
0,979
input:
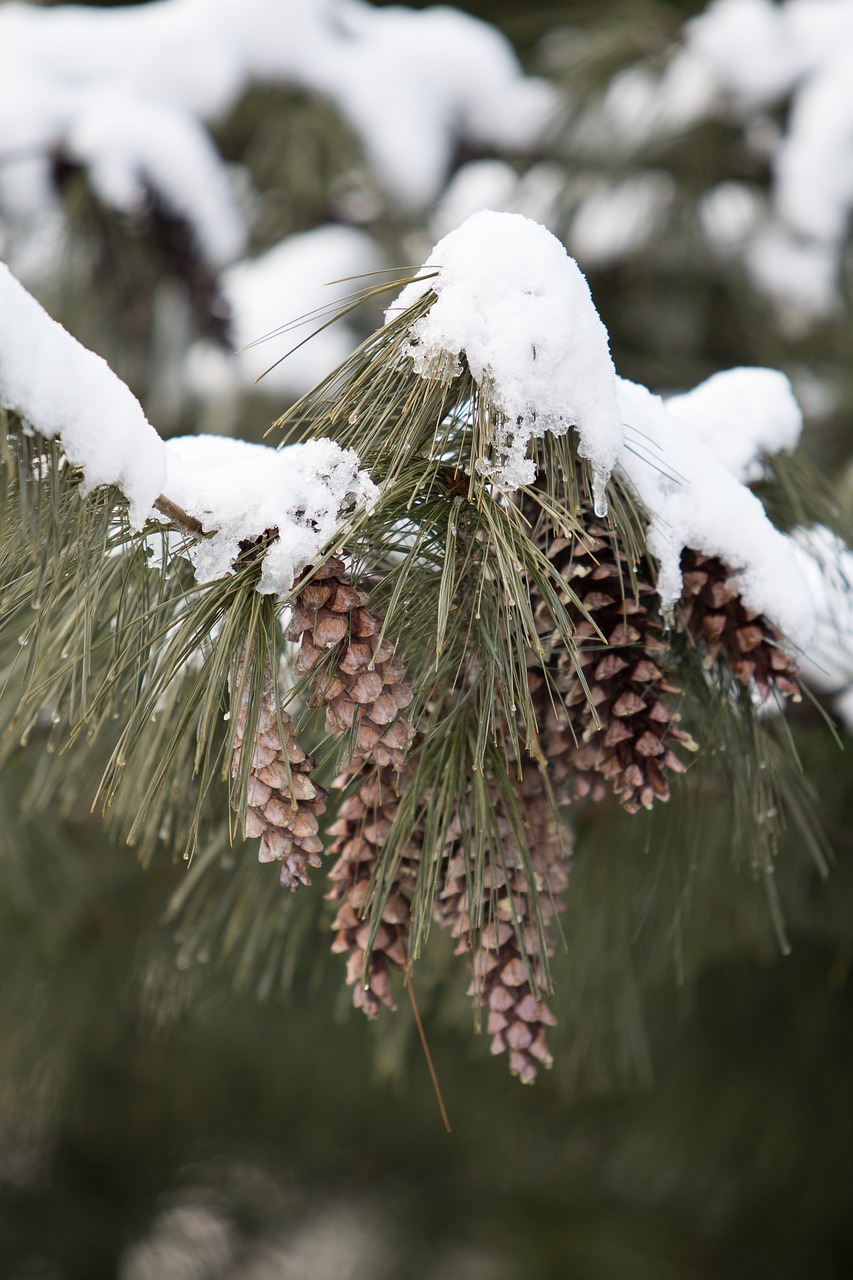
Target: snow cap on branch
x,y
694,500
742,415
242,490
512,301
60,388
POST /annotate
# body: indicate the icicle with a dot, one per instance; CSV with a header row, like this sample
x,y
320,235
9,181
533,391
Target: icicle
x,y
599,494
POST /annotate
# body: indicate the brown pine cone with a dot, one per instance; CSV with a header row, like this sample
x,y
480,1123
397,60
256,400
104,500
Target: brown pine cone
x,y
283,801
361,683
363,822
630,745
713,610
507,948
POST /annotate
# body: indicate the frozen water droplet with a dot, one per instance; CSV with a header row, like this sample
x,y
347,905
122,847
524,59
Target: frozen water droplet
x,y
227,715
55,718
23,641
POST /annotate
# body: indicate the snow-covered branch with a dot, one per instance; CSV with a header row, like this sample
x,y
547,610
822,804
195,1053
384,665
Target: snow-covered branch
x,y
234,491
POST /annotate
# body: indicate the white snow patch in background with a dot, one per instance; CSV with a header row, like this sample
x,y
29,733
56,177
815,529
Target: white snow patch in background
x,y
729,214
693,500
130,147
519,308
620,218
827,564
189,61
494,184
412,83
60,388
814,162
741,415
759,54
799,276
844,708
241,490
749,48
294,278
739,61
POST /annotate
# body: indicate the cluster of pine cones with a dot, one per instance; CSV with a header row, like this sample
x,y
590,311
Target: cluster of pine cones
x,y
607,721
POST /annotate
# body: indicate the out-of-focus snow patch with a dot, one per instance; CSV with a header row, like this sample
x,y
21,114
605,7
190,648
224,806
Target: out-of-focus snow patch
x,y
741,416
739,61
127,90
452,78
799,276
620,218
729,214
749,48
132,147
60,388
242,490
827,564
306,275
814,163
494,184
639,105
760,53
511,299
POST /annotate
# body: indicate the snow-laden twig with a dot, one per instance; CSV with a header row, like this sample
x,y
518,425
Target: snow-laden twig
x,y
232,491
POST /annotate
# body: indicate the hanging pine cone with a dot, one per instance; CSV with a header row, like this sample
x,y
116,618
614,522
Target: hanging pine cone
x,y
508,948
627,741
360,831
283,802
360,682
713,610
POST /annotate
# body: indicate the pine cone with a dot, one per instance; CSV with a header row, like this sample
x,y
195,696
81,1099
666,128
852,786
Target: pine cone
x,y
283,802
508,947
713,610
630,746
361,684
362,826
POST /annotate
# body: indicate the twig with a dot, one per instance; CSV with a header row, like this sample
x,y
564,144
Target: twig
x,y
186,523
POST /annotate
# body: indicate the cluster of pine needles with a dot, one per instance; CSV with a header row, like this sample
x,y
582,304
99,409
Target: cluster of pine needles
x,y
456,677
